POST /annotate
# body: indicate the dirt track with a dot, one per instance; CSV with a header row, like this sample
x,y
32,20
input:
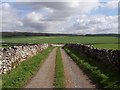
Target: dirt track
x,y
45,76
74,77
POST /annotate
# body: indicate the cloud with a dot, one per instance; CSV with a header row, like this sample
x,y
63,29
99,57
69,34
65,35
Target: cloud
x,y
10,21
111,4
93,24
34,17
47,1
57,17
62,9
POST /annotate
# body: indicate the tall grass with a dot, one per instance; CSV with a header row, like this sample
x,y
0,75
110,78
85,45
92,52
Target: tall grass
x,y
18,77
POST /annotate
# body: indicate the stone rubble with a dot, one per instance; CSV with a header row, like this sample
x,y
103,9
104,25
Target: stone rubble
x,y
13,56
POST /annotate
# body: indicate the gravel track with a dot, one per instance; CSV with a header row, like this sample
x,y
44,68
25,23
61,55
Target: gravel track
x,y
74,77
45,76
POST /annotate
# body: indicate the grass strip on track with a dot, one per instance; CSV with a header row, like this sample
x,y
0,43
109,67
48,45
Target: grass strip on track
x,y
102,75
19,76
59,71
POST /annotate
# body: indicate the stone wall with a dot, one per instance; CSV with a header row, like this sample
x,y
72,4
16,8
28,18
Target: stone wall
x,y
13,56
108,57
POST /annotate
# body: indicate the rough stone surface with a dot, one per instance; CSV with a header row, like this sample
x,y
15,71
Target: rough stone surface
x,y
108,57
13,56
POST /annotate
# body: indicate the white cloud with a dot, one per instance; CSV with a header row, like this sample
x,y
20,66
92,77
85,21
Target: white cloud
x,y
35,17
20,23
65,9
111,4
47,1
10,21
71,17
92,24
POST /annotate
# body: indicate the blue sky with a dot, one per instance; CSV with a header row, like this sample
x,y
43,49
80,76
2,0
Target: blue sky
x,y
105,11
76,17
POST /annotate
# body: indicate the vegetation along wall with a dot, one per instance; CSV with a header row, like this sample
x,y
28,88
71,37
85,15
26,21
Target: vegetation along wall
x,y
13,56
108,57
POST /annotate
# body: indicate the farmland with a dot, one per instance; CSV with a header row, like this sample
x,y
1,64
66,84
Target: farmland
x,y
98,75
107,42
107,46
59,44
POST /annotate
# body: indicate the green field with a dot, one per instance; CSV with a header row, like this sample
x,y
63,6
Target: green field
x,y
108,42
107,46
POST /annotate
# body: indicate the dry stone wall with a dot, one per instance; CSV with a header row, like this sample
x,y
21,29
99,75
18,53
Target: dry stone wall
x,y
108,57
13,56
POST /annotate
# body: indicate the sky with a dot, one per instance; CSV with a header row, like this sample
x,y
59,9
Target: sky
x,y
59,16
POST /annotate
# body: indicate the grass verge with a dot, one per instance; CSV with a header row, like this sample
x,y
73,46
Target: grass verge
x,y
102,75
18,77
59,71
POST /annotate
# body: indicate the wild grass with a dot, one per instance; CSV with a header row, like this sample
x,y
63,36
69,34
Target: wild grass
x,y
59,71
99,73
19,76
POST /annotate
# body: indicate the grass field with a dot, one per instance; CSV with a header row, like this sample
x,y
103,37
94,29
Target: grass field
x,y
62,39
108,42
107,46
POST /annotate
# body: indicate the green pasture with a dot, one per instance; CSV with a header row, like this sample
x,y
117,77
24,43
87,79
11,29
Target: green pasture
x,y
107,46
107,42
62,39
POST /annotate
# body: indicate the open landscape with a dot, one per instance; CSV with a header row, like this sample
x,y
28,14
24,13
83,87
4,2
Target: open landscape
x,y
59,45
102,42
60,68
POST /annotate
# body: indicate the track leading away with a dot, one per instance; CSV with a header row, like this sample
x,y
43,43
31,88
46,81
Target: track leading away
x,y
74,77
45,76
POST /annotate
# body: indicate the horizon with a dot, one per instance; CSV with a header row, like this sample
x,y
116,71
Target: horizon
x,y
62,33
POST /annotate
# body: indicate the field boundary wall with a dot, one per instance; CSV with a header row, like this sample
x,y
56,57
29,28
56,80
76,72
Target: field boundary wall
x,y
108,57
11,57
